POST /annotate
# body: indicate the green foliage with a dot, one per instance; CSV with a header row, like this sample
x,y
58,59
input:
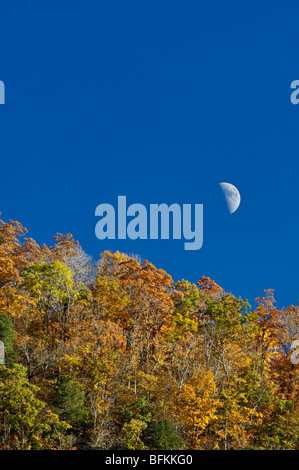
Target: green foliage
x,y
136,416
186,307
25,421
7,335
227,317
49,282
279,431
228,311
162,436
70,401
131,434
140,409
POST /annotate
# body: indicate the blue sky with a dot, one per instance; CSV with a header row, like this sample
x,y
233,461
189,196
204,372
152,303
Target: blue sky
x,y
158,101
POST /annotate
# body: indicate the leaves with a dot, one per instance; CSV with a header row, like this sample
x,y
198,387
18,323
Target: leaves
x,y
25,421
118,355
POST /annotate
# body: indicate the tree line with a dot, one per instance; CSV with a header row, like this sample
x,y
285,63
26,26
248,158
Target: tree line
x,y
114,354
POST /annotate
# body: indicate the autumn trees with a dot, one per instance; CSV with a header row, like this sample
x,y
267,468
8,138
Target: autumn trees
x,y
115,354
26,422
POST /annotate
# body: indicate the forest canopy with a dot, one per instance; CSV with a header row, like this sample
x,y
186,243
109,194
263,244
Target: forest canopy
x,y
114,354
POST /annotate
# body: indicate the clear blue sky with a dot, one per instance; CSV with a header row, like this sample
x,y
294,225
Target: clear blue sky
x,y
159,101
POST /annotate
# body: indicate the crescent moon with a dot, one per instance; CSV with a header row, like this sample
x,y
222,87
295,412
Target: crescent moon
x,y
232,196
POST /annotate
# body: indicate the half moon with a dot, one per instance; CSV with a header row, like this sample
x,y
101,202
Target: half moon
x,y
232,196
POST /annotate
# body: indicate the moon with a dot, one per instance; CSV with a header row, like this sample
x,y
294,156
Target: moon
x,y
232,196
